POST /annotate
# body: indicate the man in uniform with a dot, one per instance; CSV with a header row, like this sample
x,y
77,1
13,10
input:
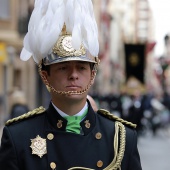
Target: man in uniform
x,y
69,135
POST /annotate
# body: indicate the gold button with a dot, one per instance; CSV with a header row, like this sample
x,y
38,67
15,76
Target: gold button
x,y
98,135
53,165
59,124
99,164
50,136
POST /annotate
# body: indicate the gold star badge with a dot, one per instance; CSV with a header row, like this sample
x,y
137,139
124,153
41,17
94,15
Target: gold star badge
x,y
38,146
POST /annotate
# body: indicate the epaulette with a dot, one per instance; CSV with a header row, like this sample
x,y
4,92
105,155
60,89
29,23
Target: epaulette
x,y
36,111
113,117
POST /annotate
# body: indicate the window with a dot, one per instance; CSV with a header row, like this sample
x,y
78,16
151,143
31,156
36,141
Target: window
x,y
5,10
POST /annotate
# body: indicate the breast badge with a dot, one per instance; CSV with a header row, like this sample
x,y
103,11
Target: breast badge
x,y
38,146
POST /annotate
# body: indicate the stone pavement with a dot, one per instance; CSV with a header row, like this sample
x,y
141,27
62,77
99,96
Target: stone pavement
x,y
155,151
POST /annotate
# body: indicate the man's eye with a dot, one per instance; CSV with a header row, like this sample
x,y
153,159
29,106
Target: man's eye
x,y
62,68
82,67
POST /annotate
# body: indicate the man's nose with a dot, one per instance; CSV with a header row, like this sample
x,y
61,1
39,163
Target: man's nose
x,y
73,73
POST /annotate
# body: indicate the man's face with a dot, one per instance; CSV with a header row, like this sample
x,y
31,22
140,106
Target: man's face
x,y
69,76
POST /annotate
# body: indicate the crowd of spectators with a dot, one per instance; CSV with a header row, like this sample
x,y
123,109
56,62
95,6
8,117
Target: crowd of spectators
x,y
149,111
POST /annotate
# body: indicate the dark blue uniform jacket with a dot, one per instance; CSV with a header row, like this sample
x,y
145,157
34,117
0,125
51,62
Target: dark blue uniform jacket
x,y
65,150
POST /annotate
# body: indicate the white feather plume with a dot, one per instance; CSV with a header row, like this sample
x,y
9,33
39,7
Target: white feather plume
x,y
85,27
69,15
47,20
76,33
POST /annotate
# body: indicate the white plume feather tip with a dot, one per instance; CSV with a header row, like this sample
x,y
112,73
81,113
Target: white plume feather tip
x,y
25,55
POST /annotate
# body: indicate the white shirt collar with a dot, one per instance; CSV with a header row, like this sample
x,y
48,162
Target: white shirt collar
x,y
77,114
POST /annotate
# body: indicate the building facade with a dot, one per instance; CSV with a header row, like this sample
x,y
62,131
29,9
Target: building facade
x,y
14,73
119,22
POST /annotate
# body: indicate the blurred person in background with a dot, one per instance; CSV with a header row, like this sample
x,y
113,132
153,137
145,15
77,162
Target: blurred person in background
x,y
70,134
135,111
18,104
166,101
160,113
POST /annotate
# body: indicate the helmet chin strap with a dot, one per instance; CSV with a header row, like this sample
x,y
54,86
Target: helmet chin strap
x,y
50,88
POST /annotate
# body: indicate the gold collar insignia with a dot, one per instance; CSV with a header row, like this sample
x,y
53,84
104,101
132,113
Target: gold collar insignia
x,y
38,146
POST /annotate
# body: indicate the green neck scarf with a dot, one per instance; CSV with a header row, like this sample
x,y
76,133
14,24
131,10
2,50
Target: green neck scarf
x,y
73,123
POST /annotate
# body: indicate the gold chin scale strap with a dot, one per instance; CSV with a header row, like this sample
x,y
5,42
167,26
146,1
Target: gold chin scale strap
x,y
118,152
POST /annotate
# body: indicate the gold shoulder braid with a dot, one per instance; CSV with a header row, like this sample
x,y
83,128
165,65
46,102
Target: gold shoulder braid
x,y
112,117
26,115
118,152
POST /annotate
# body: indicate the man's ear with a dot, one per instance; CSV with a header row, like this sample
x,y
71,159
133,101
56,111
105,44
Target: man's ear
x,y
44,76
93,75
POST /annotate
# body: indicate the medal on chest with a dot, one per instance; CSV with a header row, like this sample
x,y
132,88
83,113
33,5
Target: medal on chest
x,y
39,146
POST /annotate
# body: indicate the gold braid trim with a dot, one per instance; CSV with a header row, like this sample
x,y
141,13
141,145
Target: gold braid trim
x,y
116,163
26,115
118,156
112,117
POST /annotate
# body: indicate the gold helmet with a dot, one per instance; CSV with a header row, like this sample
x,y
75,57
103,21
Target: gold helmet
x,y
64,51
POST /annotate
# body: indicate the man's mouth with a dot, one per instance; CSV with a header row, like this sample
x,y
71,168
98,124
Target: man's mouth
x,y
72,88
